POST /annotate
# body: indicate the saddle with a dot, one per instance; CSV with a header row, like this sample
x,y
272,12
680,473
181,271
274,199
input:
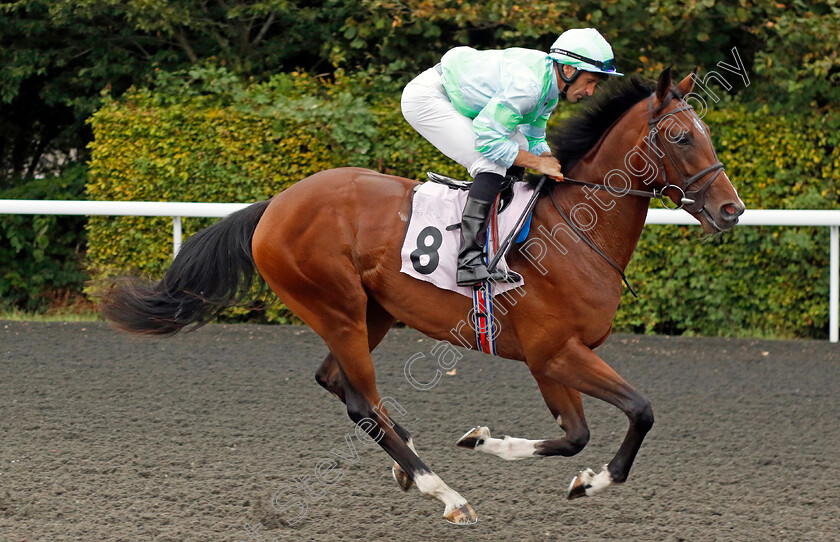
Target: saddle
x,y
431,241
506,195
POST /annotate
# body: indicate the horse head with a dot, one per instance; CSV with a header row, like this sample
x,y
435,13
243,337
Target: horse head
x,y
689,171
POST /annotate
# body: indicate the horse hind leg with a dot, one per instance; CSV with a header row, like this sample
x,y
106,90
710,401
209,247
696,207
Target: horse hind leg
x,y
329,376
566,407
343,327
403,478
361,396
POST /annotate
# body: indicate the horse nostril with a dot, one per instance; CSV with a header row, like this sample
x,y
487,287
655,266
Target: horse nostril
x,y
731,210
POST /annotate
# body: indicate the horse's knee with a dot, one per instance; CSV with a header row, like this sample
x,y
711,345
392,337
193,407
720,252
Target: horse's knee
x,y
641,414
570,444
577,440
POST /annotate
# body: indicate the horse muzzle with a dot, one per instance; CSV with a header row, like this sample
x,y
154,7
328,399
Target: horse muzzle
x,y
721,217
715,204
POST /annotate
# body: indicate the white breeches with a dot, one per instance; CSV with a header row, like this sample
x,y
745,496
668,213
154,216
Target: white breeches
x,y
428,110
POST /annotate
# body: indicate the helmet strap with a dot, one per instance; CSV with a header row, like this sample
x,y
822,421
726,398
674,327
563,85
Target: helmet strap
x,y
568,80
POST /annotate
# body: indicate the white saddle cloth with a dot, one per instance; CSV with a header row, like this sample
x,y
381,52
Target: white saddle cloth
x,y
430,251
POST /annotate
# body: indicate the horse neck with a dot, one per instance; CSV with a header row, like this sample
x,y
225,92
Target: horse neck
x,y
620,219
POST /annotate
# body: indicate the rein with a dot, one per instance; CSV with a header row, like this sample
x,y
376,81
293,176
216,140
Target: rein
x,y
652,194
690,204
591,244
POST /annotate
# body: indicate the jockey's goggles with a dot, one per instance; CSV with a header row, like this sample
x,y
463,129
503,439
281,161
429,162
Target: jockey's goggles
x,y
606,65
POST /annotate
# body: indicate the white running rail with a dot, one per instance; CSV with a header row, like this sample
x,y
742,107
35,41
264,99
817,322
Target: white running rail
x,y
176,210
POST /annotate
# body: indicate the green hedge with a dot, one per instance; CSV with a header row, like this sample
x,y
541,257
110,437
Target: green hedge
x,y
209,137
206,137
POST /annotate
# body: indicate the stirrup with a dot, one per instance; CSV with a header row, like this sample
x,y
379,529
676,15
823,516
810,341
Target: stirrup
x,y
480,274
505,276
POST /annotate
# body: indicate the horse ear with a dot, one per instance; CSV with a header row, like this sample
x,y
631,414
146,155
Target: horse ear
x,y
663,86
687,84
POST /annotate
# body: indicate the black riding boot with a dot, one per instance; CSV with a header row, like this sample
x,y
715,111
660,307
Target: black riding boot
x,y
471,267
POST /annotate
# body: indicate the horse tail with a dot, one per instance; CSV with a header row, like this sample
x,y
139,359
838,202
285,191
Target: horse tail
x,y
214,270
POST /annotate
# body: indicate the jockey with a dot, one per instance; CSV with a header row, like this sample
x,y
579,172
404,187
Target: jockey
x,y
487,110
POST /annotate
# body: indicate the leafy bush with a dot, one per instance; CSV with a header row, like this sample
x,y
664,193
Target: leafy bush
x,y
40,255
204,136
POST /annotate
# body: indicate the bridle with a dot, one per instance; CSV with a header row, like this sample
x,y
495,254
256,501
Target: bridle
x,y
691,200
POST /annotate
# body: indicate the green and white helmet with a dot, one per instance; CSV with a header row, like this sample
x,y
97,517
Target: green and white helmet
x,y
584,49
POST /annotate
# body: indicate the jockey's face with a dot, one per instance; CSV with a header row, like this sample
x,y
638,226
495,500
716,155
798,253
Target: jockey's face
x,y
584,85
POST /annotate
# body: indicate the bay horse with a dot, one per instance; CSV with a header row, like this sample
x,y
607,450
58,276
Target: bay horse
x,y
329,248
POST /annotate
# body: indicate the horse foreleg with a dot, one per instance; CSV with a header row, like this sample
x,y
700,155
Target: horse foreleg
x,y
579,367
566,407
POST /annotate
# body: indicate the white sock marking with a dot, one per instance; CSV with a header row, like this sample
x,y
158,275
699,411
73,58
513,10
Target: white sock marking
x,y
431,485
509,448
599,482
593,483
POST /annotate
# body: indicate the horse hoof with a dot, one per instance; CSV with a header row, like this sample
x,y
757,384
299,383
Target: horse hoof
x,y
463,515
579,484
405,481
473,438
587,483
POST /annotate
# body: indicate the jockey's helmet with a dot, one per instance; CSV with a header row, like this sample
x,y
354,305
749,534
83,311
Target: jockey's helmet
x,y
584,49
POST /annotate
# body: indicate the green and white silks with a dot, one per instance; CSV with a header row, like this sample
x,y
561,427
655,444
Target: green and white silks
x,y
501,91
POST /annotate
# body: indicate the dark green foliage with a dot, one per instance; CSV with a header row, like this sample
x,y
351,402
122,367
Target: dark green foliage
x,y
58,56
40,255
204,135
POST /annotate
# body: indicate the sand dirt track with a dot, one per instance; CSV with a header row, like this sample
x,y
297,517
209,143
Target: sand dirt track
x,y
109,437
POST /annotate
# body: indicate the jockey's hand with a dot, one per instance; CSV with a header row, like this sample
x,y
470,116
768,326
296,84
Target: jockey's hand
x,y
549,165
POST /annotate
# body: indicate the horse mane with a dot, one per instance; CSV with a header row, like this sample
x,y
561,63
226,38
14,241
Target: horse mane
x,y
575,136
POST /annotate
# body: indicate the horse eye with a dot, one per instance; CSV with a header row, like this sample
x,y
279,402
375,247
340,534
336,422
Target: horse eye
x,y
683,140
